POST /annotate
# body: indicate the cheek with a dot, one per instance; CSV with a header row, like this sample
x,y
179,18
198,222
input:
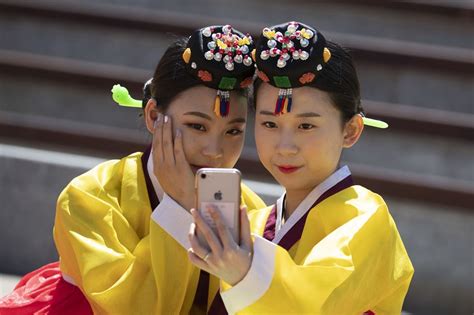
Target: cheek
x,y
264,143
191,143
322,151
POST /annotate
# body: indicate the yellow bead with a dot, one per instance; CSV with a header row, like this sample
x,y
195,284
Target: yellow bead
x,y
187,55
326,54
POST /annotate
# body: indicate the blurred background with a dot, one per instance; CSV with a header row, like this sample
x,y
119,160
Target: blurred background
x,y
59,60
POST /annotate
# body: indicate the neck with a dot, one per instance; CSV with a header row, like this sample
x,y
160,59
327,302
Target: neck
x,y
293,199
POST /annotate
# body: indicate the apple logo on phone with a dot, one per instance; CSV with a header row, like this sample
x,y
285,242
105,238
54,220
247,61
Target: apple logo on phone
x,y
218,195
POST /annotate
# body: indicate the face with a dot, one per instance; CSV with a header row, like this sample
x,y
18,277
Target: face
x,y
208,140
302,148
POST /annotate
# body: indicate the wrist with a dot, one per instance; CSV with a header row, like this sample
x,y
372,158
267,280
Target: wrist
x,y
185,201
245,271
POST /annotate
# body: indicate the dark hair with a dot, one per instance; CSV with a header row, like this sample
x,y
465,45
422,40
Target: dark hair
x,y
339,79
171,77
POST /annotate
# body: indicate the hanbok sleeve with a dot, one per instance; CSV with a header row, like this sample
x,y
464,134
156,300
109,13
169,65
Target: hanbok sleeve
x,y
175,220
352,270
100,248
176,277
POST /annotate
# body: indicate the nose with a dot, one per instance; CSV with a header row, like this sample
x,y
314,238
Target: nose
x,y
213,149
286,145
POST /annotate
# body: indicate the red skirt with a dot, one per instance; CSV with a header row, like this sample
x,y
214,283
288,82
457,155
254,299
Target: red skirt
x,y
44,291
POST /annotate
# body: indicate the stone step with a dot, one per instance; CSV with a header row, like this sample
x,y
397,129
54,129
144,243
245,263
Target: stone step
x,y
431,22
403,77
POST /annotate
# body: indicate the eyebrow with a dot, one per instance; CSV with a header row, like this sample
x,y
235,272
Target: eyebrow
x,y
199,114
308,114
238,120
206,116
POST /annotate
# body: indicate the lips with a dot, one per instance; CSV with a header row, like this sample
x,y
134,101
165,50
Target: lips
x,y
288,169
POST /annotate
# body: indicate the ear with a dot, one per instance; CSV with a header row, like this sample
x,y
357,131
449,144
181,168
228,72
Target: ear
x,y
151,114
352,131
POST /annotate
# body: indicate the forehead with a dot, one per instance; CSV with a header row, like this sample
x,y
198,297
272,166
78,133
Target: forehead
x,y
305,99
202,99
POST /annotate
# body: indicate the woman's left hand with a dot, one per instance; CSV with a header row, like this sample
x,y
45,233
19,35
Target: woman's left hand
x,y
225,259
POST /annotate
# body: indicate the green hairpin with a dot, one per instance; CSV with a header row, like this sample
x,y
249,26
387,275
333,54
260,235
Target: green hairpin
x,y
374,123
122,97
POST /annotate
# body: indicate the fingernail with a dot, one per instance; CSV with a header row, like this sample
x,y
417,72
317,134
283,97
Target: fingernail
x,y
178,133
166,119
159,117
155,123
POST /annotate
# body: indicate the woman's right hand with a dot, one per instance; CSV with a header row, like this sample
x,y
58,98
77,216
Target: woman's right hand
x,y
170,165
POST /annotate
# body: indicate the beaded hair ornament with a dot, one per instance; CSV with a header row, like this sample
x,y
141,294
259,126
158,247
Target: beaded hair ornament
x,y
220,57
292,55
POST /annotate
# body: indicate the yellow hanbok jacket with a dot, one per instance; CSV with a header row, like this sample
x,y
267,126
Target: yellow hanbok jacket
x,y
348,259
102,234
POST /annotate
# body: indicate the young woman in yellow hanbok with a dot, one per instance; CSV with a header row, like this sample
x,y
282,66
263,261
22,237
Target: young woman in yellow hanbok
x,y
328,246
121,228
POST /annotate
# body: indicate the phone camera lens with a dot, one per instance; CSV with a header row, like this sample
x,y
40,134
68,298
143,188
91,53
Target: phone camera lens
x,y
203,176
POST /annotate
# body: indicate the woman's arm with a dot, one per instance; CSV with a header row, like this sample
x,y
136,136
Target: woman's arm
x,y
360,266
102,243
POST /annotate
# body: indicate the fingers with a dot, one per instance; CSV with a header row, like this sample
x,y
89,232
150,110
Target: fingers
x,y
223,231
245,237
197,261
158,139
179,155
167,141
207,232
196,246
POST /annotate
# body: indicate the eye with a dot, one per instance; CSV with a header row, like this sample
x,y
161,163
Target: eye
x,y
306,126
269,124
198,127
234,132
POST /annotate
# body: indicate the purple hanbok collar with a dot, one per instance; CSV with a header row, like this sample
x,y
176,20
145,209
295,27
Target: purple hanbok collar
x,y
294,234
149,185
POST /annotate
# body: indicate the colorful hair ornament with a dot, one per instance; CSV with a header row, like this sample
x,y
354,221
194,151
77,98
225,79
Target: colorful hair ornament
x,y
284,101
222,103
374,122
122,97
221,58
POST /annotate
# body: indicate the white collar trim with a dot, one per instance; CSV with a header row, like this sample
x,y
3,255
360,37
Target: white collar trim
x,y
156,185
282,228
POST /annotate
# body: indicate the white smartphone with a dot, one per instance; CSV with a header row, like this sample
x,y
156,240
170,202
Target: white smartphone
x,y
219,187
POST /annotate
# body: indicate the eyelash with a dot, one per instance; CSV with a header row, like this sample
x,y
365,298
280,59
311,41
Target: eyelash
x,y
199,127
235,132
269,124
307,125
272,125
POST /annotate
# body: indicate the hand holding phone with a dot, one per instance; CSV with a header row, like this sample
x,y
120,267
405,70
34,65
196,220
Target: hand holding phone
x,y
219,188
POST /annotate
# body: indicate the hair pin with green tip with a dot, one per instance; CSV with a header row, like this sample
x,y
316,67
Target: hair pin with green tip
x,y
122,97
374,123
